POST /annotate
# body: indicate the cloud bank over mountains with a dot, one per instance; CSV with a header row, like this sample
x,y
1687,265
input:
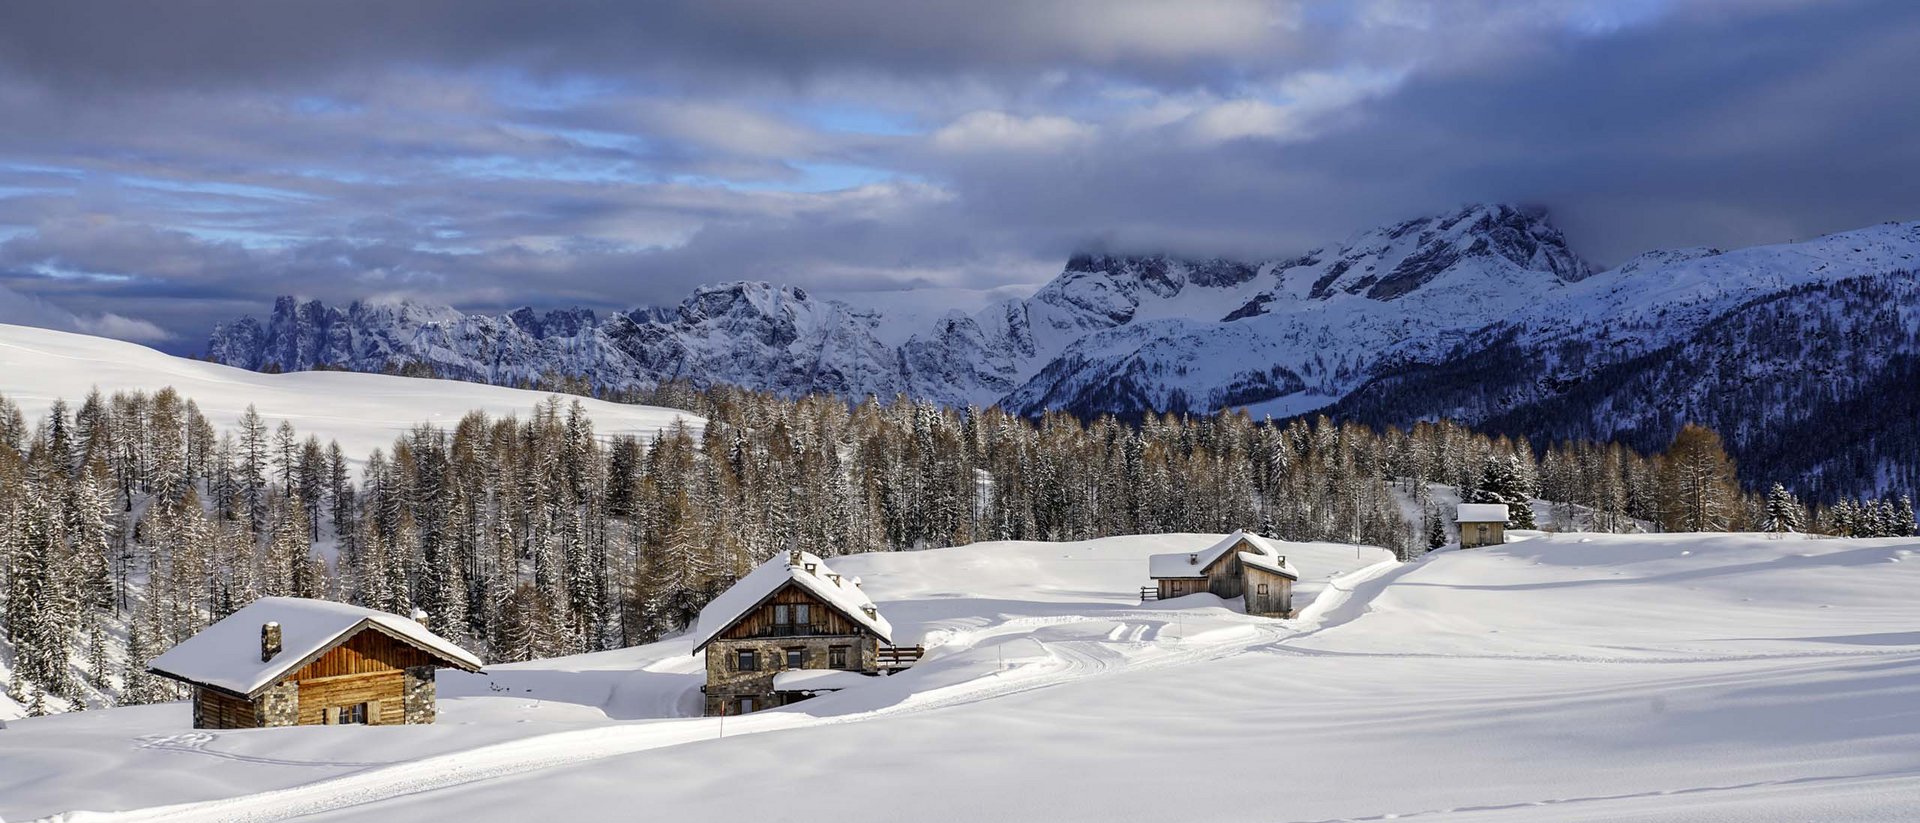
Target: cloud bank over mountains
x,y
182,164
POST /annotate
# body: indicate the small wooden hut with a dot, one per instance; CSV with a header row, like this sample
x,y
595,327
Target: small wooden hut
x,y
1481,524
1241,565
793,614
286,661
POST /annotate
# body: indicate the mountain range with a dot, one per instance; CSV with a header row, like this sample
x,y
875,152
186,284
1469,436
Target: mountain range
x,y
1484,314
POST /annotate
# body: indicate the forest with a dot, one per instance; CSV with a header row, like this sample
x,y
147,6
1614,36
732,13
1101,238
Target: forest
x,y
129,522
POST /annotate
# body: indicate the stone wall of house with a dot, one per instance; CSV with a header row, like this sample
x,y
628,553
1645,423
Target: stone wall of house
x,y
422,697
726,683
279,705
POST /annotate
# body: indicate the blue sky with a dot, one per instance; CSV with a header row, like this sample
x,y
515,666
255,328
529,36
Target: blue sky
x,y
174,166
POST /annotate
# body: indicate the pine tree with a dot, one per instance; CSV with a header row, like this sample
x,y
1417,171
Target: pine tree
x,y
1502,481
1783,511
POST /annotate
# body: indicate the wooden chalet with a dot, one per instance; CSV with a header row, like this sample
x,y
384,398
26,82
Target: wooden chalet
x,y
1242,565
793,616
286,661
1481,524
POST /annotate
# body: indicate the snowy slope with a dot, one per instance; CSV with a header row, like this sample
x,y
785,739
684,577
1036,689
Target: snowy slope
x,y
1666,677
362,411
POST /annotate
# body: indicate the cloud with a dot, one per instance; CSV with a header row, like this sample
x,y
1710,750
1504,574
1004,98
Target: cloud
x,y
22,310
123,328
999,131
176,166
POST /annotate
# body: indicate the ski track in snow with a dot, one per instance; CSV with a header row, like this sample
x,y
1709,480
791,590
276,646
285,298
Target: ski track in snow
x,y
1821,780
1067,661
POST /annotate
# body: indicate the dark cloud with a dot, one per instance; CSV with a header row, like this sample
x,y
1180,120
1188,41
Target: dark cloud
x,y
182,163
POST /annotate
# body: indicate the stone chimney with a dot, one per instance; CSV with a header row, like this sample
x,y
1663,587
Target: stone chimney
x,y
1193,559
793,557
269,640
420,617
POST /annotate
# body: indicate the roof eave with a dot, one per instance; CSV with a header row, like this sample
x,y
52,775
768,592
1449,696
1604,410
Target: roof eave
x,y
790,581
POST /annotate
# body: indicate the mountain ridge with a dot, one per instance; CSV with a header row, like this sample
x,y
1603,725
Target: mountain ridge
x,y
1384,326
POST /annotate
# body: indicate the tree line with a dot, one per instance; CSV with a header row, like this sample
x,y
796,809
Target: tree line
x,y
131,522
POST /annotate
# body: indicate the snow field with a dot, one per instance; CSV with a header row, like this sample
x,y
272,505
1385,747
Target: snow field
x,y
1001,619
362,411
1559,677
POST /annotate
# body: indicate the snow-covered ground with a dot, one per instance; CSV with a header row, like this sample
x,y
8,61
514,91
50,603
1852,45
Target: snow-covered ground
x,y
1562,677
362,411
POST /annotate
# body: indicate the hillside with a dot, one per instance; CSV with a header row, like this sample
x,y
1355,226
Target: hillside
x,y
1556,678
362,411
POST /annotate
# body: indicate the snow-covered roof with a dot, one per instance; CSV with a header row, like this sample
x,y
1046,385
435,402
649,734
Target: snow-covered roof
x,y
818,680
226,655
843,594
1481,513
1277,565
1193,564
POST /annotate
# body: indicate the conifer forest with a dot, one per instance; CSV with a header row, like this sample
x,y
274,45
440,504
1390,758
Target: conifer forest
x,y
128,522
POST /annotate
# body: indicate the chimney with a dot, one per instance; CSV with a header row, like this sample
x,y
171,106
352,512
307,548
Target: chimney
x,y
793,557
871,611
420,617
1193,559
269,640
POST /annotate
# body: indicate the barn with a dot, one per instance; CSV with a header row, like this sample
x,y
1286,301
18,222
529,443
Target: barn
x,y
1241,565
1481,524
287,661
790,616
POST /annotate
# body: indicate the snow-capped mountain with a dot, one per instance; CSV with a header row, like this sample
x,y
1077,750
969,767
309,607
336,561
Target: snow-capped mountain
x,y
1484,314
754,334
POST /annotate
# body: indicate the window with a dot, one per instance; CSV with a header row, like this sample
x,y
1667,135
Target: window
x,y
744,705
796,658
792,618
355,714
1263,590
747,660
837,657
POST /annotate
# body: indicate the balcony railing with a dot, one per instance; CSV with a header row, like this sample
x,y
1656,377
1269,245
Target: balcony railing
x,y
793,630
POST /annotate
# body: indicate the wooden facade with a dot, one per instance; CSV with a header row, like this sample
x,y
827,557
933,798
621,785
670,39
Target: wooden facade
x,y
1223,578
763,621
214,709
1258,579
370,676
1268,593
1487,533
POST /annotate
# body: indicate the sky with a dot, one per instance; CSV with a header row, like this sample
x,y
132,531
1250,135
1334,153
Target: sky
x,y
167,166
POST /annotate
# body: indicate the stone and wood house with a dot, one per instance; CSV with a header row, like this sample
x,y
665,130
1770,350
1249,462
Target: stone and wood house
x,y
1241,565
1481,524
786,619
286,661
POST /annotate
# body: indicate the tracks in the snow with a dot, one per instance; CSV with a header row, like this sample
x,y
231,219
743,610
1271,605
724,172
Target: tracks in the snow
x,y
1067,660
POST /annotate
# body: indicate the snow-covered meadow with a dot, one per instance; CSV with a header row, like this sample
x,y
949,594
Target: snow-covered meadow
x,y
362,412
1560,677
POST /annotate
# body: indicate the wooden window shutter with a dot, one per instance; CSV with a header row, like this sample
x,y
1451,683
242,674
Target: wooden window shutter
x,y
326,715
373,712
